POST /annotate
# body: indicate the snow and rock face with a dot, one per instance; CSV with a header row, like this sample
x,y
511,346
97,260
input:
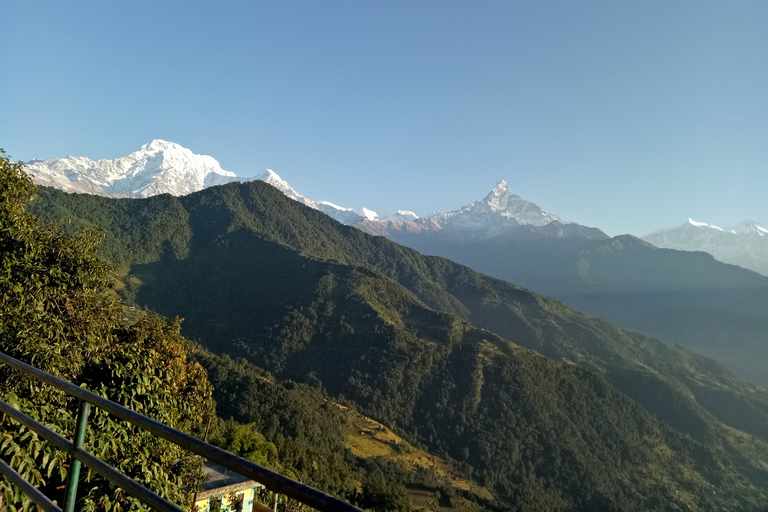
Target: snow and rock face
x,y
271,177
398,215
344,215
162,167
159,167
499,213
745,244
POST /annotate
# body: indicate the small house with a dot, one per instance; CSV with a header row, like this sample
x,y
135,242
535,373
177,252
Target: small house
x,y
236,492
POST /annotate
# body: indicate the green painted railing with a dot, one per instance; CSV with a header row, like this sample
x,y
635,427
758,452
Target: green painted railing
x,y
271,480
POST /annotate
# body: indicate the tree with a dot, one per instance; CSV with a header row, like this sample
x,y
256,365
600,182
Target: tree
x,y
59,313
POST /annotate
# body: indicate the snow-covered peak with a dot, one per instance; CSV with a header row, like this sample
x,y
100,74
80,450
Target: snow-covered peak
x,y
745,244
159,167
501,202
696,224
340,213
398,215
271,177
500,195
745,227
366,213
500,191
160,145
164,167
750,226
500,212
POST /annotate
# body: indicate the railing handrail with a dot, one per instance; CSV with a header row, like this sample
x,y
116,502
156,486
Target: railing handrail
x,y
270,479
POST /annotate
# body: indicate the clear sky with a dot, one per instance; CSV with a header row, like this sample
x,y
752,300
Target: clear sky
x,y
628,116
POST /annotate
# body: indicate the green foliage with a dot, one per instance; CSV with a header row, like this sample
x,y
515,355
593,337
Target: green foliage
x,y
57,313
309,432
243,440
158,226
55,309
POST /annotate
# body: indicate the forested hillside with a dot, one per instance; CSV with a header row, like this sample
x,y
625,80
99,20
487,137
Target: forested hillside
x,y
685,297
59,312
608,420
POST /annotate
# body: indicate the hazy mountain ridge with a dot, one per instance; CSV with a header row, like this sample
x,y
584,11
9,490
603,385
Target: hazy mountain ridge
x,y
327,304
745,244
717,309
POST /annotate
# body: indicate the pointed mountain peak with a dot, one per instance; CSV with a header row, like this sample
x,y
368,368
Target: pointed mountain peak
x,y
501,206
502,188
499,197
159,145
750,226
271,177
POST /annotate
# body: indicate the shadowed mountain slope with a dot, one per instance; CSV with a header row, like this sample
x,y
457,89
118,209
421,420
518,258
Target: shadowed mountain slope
x,y
609,420
682,297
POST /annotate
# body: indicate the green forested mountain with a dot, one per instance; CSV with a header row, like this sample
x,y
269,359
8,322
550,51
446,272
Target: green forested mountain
x,y
312,435
685,297
59,313
608,420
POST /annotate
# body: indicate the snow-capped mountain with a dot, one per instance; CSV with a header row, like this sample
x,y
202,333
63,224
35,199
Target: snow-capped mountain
x,y
745,244
159,167
163,167
500,212
339,213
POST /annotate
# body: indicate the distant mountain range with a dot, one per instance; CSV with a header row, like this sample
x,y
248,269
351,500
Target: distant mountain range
x,y
745,244
685,297
162,167
339,213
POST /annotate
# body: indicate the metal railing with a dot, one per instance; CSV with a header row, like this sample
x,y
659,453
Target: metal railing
x,y
273,481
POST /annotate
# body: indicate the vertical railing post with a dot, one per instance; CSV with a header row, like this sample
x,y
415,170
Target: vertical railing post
x,y
74,464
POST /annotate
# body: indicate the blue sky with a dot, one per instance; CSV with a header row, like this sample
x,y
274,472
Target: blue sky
x,y
629,116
